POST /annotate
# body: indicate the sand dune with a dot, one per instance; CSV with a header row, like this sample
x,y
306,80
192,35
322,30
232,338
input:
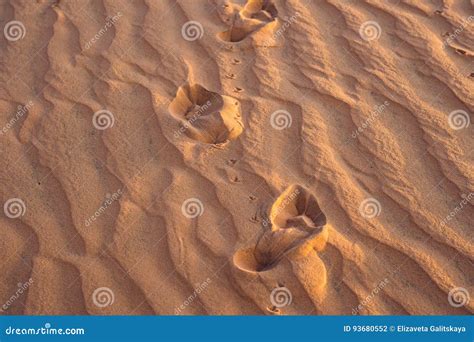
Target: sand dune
x,y
237,157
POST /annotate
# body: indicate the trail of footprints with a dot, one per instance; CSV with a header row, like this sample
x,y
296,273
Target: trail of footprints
x,y
209,117
295,224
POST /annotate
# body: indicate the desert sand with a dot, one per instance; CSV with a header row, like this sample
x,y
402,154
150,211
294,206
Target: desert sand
x,y
236,157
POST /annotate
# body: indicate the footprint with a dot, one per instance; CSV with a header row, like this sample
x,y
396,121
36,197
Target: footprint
x,y
296,220
206,116
297,207
249,19
273,244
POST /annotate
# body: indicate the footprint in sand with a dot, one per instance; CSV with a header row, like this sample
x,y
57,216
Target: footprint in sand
x,y
206,116
295,220
247,20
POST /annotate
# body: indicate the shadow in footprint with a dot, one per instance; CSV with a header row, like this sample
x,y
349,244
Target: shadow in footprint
x,y
297,207
295,220
206,116
252,17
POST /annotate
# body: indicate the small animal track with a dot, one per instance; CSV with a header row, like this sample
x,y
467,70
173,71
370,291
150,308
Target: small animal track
x,y
247,20
206,116
295,219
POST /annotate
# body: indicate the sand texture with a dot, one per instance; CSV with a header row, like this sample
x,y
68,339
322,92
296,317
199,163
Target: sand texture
x,y
310,157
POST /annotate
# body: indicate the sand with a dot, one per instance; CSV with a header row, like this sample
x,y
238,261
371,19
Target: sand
x,y
239,158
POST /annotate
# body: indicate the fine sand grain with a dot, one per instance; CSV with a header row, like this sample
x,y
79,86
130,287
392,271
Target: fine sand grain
x,y
237,157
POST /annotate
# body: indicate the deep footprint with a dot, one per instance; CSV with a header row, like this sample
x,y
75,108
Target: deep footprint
x,y
295,220
296,207
206,116
251,18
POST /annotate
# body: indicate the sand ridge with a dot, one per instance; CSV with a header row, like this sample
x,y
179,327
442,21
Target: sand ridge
x,y
236,157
